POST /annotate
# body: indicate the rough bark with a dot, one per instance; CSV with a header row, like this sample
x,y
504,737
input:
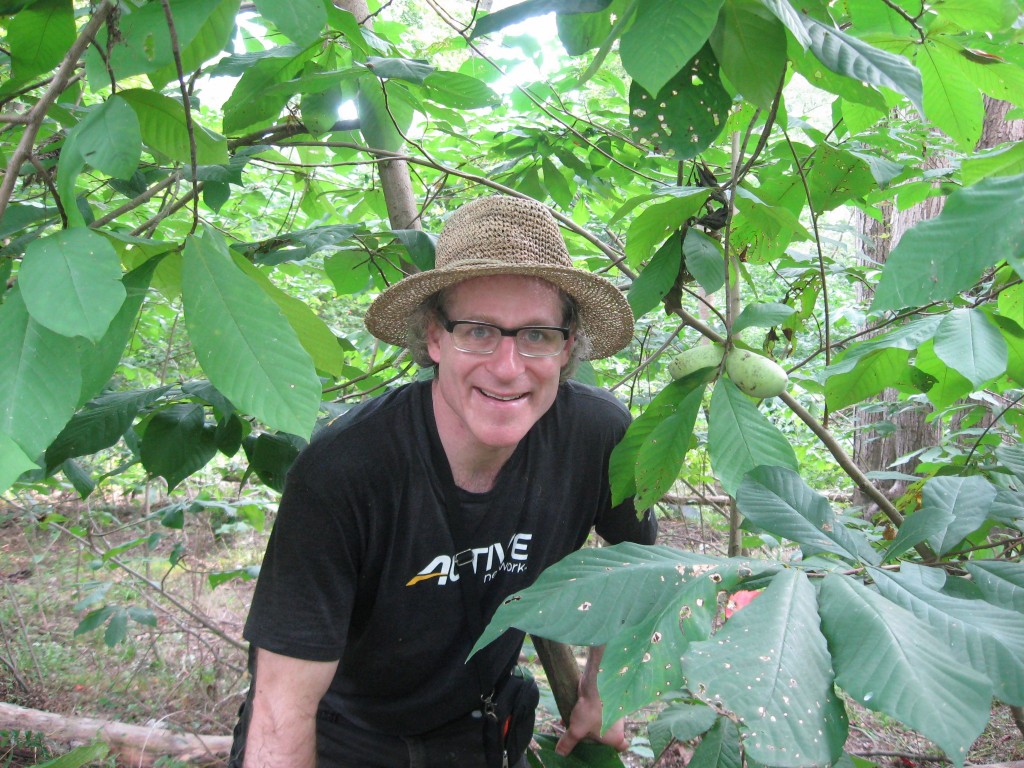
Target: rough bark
x,y
135,744
563,672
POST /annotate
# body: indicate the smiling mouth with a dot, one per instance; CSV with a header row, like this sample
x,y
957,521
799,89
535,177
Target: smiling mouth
x,y
501,398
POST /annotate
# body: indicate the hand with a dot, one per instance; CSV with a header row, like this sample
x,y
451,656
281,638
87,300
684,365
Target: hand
x,y
585,723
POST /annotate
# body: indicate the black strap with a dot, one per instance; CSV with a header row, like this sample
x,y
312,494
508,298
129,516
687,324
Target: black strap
x,y
463,557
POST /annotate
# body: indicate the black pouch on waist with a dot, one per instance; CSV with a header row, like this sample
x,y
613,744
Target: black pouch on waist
x,y
508,725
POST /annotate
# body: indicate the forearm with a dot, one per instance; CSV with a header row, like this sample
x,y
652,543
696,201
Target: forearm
x,y
588,680
276,740
282,725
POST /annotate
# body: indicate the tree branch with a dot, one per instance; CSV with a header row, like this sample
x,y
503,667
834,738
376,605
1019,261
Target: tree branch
x,y
189,125
38,111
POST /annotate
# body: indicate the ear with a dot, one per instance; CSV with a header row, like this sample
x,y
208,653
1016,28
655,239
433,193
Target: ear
x,y
434,333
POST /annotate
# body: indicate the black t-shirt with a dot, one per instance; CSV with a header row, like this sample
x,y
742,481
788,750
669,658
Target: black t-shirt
x,y
359,563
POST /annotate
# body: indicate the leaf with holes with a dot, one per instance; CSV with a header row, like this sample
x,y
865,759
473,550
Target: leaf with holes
x,y
664,36
770,665
687,114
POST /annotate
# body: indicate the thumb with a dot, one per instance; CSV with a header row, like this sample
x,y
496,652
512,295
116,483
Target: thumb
x,y
566,744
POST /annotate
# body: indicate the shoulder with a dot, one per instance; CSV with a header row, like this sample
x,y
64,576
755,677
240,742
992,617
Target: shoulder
x,y
363,433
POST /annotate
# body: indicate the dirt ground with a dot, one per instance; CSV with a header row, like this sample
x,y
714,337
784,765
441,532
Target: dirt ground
x,y
201,683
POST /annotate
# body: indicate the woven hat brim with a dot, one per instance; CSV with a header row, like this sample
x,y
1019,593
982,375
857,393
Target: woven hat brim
x,y
605,315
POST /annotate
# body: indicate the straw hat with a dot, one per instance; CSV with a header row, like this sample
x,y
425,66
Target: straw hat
x,y
501,235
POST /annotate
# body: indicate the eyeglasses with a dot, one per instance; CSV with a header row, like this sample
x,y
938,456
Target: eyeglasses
x,y
478,338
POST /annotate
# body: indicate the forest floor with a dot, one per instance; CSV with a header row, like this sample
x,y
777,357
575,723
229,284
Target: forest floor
x,y
182,674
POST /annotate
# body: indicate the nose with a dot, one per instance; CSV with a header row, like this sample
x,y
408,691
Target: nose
x,y
506,360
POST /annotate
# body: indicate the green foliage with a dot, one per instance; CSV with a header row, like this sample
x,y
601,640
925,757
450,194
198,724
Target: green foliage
x,y
193,224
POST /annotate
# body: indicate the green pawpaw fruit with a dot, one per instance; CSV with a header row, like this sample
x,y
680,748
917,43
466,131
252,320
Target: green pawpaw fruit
x,y
755,374
695,358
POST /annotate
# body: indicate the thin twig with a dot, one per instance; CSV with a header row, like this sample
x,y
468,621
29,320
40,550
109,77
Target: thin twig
x,y
155,587
189,126
134,203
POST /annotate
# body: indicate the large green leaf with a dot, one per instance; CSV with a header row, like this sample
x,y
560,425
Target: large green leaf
x,y
770,665
779,501
917,527
879,370
593,595
514,14
210,40
740,437
791,19
300,20
947,385
846,55
177,442
1000,582
750,44
1002,161
71,283
659,221
314,335
243,342
13,462
705,259
720,747
947,254
967,341
951,101
967,499
657,278
143,42
641,663
663,37
297,245
891,662
623,464
39,377
99,361
837,177
109,138
39,36
762,315
100,424
990,637
688,113
164,129
459,91
681,721
908,337
383,119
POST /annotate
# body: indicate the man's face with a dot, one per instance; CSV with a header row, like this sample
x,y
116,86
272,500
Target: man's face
x,y
491,401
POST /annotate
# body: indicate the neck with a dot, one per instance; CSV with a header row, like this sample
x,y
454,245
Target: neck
x,y
475,466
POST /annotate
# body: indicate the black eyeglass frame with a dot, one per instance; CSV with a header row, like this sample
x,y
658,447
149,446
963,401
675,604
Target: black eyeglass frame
x,y
449,326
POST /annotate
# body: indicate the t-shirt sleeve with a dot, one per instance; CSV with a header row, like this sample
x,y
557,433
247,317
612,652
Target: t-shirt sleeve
x,y
305,592
620,523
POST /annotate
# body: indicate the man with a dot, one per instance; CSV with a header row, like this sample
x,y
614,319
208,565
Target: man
x,y
361,623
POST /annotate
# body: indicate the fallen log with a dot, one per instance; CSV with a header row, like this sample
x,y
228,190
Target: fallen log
x,y
136,745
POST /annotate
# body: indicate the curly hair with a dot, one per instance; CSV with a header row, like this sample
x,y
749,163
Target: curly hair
x,y
432,310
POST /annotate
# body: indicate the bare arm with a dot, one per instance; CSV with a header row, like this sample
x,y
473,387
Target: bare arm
x,y
585,721
282,731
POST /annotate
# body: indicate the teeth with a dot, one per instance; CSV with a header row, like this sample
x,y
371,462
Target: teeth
x,y
504,398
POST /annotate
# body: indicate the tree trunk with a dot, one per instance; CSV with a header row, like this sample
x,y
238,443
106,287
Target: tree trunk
x,y
135,744
395,181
